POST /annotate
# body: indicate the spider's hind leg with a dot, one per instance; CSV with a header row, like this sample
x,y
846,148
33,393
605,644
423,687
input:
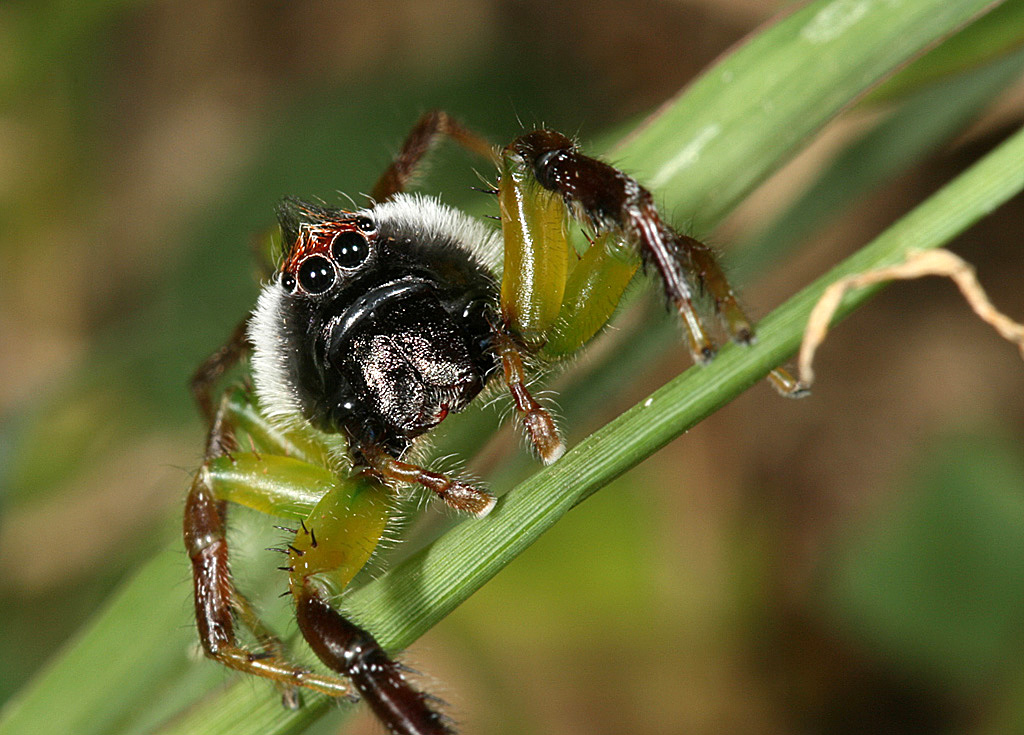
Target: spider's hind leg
x,y
213,367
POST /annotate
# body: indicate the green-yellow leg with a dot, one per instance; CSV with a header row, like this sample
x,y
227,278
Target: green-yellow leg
x,y
216,599
342,518
279,485
536,251
537,259
242,414
592,293
339,534
609,201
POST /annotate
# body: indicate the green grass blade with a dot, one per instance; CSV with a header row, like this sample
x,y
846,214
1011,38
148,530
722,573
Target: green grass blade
x,y
74,694
998,34
754,109
923,121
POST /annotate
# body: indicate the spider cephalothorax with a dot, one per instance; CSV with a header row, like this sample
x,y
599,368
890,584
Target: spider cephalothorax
x,y
377,324
380,323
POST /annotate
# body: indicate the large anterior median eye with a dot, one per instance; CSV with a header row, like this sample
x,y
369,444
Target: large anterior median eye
x,y
316,274
349,249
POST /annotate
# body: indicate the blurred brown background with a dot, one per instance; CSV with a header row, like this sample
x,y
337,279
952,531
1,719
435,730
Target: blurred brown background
x,y
848,563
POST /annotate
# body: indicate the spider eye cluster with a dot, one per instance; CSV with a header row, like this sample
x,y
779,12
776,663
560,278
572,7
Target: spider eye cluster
x,y
320,270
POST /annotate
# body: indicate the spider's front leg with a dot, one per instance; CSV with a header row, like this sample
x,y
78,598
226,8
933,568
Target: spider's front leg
x,y
340,520
217,601
614,204
334,543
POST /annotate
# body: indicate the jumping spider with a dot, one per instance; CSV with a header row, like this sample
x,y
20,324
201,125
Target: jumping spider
x,y
376,326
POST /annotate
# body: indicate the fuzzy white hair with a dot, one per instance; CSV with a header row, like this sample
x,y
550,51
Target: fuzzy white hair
x,y
430,218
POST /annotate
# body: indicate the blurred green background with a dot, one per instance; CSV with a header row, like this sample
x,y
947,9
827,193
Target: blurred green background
x,y
850,563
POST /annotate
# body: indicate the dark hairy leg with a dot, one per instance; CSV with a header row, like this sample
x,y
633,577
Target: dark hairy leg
x,y
350,650
213,367
609,200
424,135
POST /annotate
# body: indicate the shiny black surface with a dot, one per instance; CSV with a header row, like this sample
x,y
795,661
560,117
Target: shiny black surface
x,y
395,345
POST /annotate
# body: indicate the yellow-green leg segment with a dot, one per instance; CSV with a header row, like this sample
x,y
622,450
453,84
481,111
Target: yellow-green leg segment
x,y
341,519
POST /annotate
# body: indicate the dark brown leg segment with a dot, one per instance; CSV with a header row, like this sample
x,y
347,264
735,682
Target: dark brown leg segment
x,y
539,425
424,136
217,601
459,495
213,367
351,651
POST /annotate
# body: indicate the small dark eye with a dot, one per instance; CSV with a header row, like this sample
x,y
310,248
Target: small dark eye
x,y
288,282
316,274
366,224
349,249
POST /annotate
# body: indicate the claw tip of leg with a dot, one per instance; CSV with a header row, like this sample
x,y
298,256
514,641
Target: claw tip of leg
x,y
746,337
554,454
486,508
290,700
800,390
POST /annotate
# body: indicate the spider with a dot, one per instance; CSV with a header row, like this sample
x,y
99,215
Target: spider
x,y
377,325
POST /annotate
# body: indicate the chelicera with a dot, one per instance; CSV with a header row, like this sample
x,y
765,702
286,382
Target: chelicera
x,y
378,325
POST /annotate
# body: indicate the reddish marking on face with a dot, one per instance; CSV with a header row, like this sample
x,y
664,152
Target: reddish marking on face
x,y
314,239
